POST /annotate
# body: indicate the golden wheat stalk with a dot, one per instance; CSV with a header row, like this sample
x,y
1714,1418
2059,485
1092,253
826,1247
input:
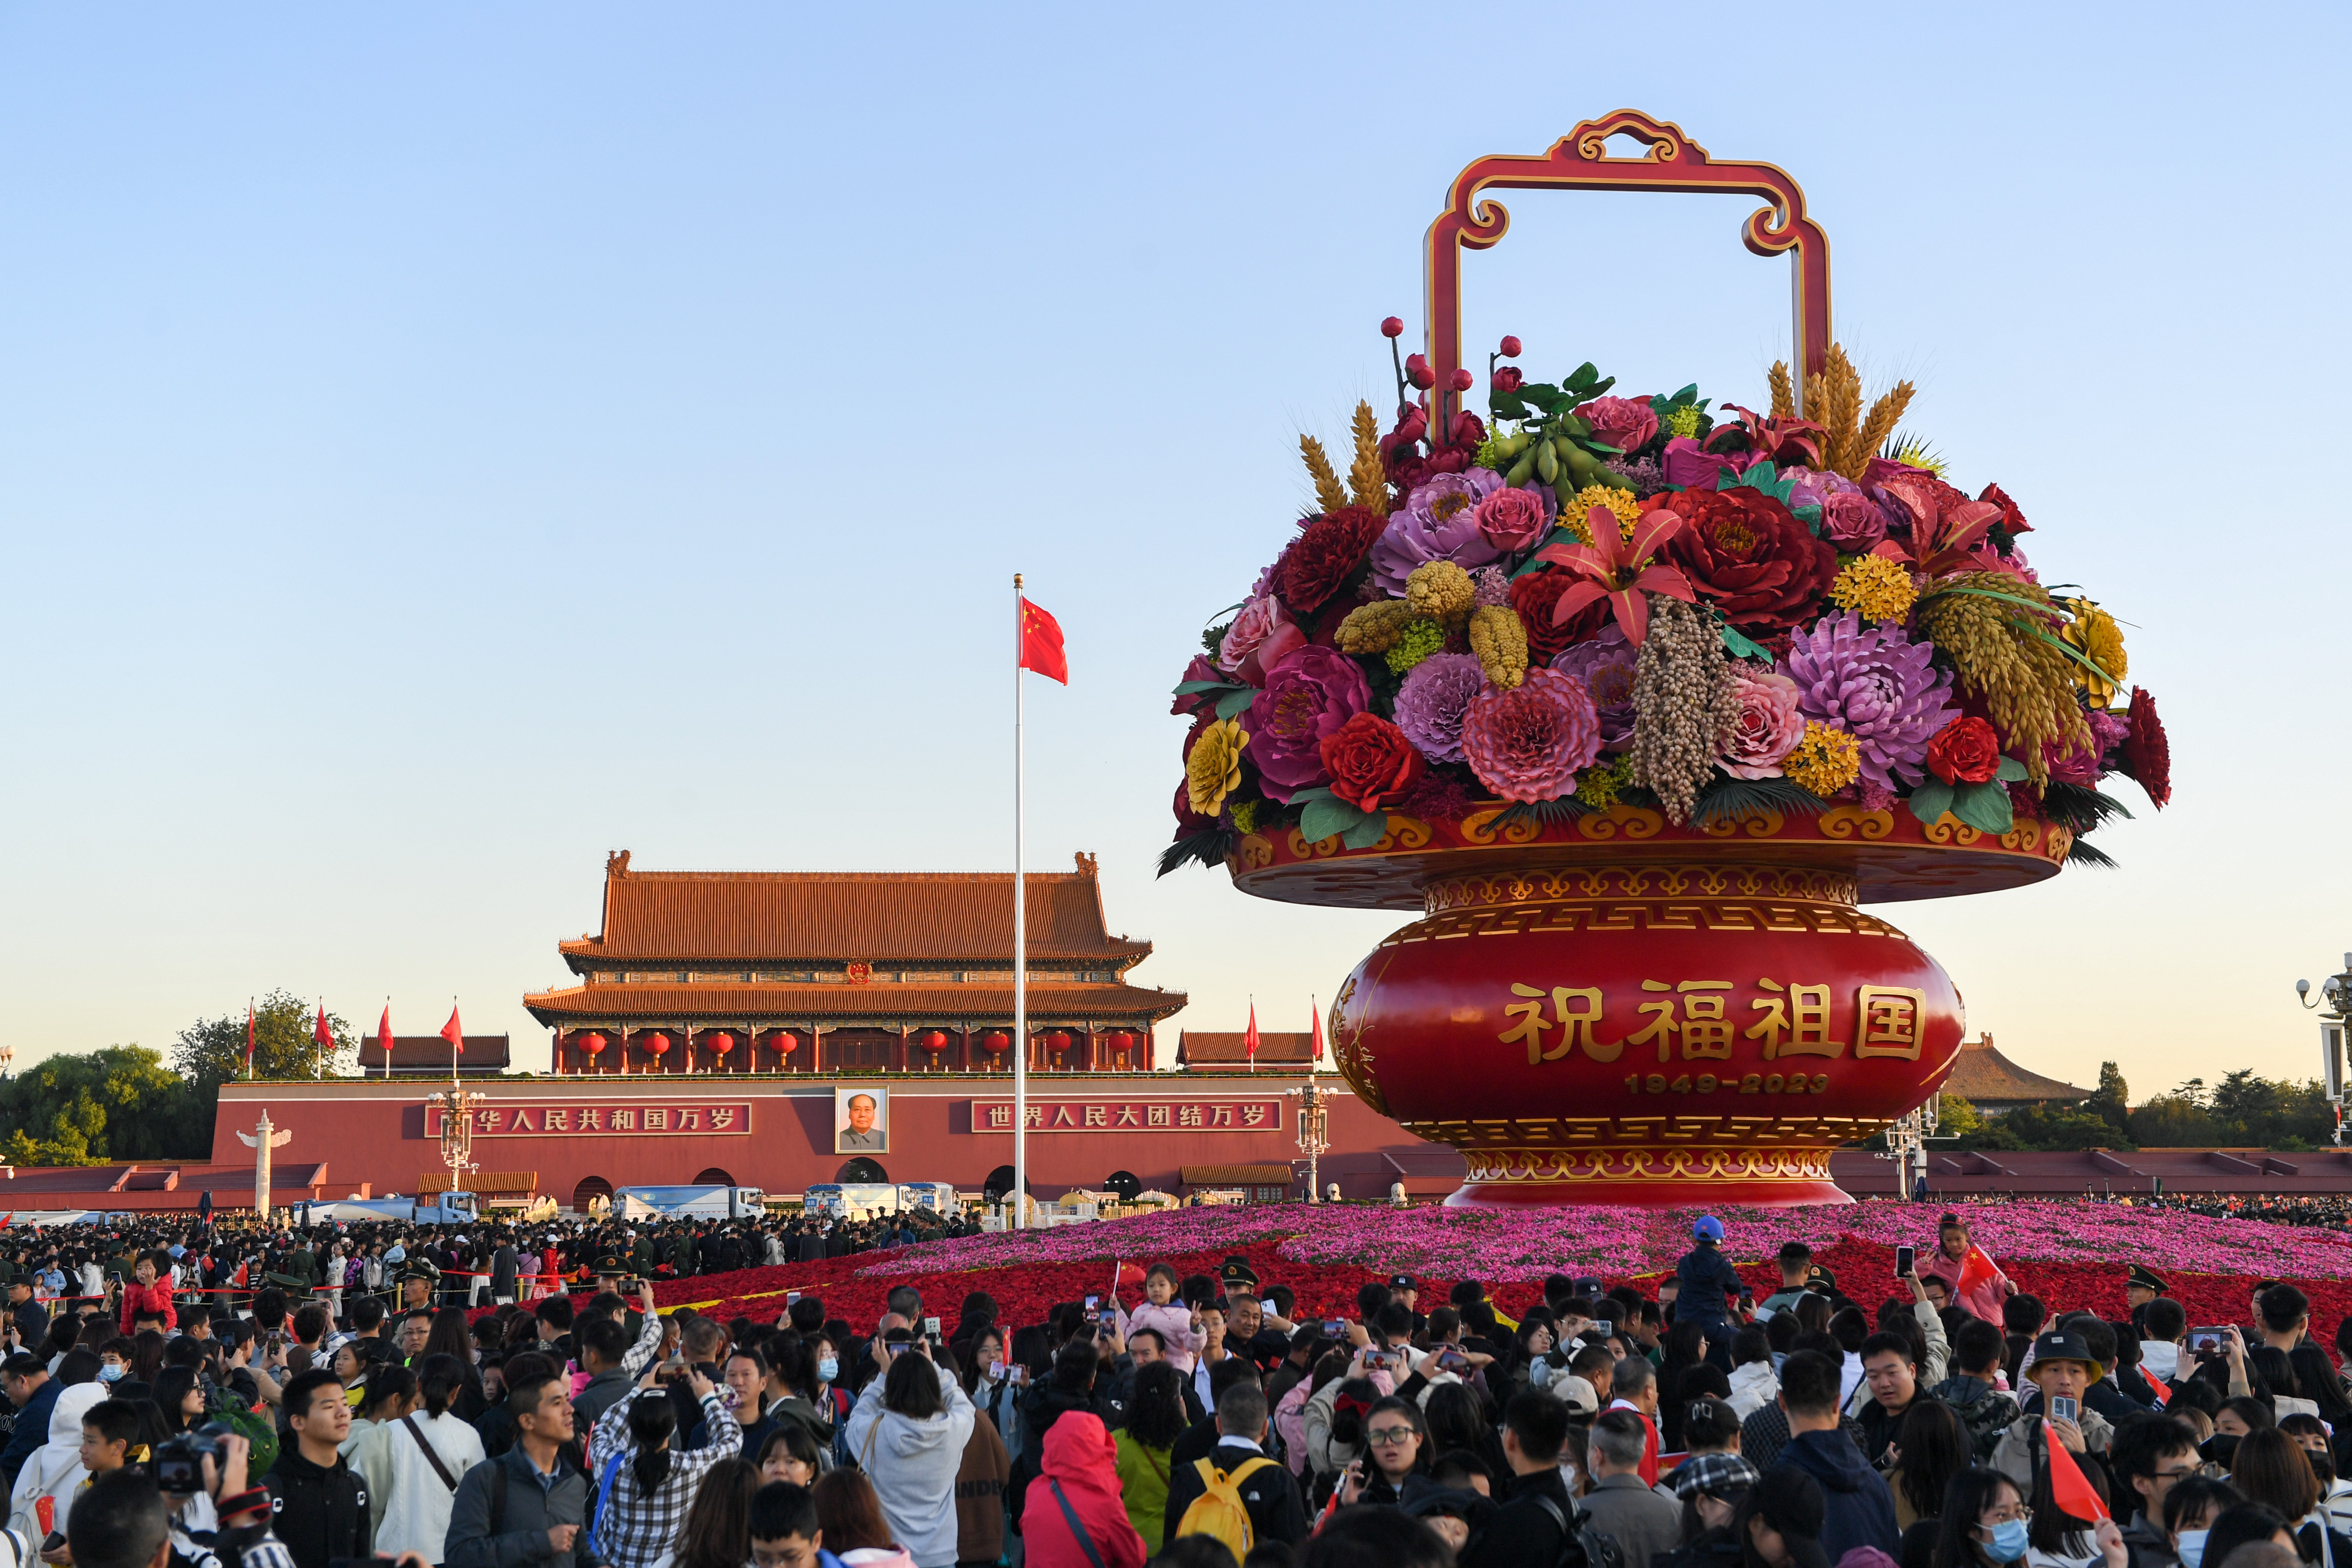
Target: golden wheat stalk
x,y
1784,393
1879,426
1328,493
1368,479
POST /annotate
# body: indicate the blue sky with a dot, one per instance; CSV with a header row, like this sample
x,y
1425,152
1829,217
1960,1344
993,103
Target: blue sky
x,y
439,445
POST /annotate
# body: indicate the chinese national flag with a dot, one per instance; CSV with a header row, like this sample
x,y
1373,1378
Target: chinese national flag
x,y
1128,1274
383,1033
1977,1270
2163,1394
1315,1026
453,1031
1040,644
319,1032
1249,1037
2068,1489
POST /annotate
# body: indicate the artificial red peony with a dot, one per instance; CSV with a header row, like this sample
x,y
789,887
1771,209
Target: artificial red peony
x,y
1749,556
1371,761
1326,553
1534,595
2148,755
1965,751
1408,469
1508,378
2012,520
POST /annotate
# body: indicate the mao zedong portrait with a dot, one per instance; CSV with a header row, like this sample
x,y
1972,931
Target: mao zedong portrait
x,y
861,1135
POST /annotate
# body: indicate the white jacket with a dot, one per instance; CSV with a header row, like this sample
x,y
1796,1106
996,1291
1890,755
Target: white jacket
x,y
1753,1386
55,1470
409,1503
913,1466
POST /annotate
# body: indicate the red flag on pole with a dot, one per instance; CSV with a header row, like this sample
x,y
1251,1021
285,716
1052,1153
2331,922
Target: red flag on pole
x,y
248,1039
1249,1037
1040,644
1976,1270
319,1032
453,1031
383,1038
2069,1490
1315,1027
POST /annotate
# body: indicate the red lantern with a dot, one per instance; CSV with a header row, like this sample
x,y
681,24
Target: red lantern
x,y
658,1047
591,1045
719,1044
934,1042
1058,1041
994,1041
782,1042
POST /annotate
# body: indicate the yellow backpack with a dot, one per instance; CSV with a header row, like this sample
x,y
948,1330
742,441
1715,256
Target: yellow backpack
x,y
1219,1512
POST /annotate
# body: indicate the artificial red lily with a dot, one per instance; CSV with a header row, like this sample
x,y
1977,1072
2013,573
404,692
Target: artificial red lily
x,y
1786,442
1619,569
1942,542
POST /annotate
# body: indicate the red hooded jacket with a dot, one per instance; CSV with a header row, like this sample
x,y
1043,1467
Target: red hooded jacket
x,y
1081,1459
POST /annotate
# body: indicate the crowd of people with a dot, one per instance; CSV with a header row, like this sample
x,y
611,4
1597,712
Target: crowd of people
x,y
279,1415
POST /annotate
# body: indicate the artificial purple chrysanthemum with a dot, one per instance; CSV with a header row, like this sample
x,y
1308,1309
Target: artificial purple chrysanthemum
x,y
1438,523
1431,702
1879,685
1604,663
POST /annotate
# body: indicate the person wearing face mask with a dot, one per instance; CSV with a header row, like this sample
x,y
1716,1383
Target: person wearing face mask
x,y
2190,1510
1985,1523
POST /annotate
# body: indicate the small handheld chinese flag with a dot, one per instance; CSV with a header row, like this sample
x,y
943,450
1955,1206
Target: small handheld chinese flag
x,y
1249,1037
454,1032
2069,1490
1040,644
1976,1270
2163,1394
1129,1274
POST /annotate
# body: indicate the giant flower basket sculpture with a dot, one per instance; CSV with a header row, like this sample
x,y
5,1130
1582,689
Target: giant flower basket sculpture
x,y
1635,702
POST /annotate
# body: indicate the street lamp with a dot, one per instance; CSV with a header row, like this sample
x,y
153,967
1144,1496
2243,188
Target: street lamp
x,y
2335,992
1314,1128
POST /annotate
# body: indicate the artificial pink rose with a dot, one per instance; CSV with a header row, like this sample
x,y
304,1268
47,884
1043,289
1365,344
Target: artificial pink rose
x,y
1851,522
1511,519
1627,424
1259,635
1764,725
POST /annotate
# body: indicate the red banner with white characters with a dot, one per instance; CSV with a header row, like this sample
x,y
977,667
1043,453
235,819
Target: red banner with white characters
x,y
614,1118
1118,1115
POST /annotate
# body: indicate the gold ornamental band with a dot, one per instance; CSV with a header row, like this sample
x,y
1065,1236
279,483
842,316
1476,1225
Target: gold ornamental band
x,y
1794,885
1605,1166
1670,1133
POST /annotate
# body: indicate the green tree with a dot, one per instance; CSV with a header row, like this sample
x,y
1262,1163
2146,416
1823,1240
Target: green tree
x,y
2111,1101
119,1104
2175,1121
212,1050
2062,1127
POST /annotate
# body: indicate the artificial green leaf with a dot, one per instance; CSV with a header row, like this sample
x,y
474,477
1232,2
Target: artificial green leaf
x,y
1930,800
1811,516
1233,702
1188,687
2069,650
1983,806
1507,405
2011,771
1313,792
1739,646
1686,395
1326,816
1367,833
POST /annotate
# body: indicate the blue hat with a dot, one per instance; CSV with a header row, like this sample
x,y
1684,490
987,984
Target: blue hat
x,y
1708,1228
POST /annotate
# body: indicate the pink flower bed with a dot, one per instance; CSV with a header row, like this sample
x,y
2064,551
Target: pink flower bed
x,y
1493,1245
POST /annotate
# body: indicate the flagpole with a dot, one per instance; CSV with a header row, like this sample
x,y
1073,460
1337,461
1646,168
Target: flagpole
x,y
1020,954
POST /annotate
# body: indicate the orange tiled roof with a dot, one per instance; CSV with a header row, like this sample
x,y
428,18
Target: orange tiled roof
x,y
886,919
1236,1176
787,1004
1982,1075
1199,1047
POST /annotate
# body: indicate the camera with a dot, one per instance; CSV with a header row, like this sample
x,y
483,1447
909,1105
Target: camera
x,y
179,1461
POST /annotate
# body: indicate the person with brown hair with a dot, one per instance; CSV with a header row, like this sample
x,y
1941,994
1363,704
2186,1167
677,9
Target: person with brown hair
x,y
851,1524
718,1530
2271,1468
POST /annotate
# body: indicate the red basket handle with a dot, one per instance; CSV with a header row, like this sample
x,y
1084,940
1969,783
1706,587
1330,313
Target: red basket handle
x,y
1579,161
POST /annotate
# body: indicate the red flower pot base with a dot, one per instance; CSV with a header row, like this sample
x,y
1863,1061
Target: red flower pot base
x,y
1610,1009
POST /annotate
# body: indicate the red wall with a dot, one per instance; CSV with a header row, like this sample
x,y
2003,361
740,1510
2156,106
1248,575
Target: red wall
x,y
375,1132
